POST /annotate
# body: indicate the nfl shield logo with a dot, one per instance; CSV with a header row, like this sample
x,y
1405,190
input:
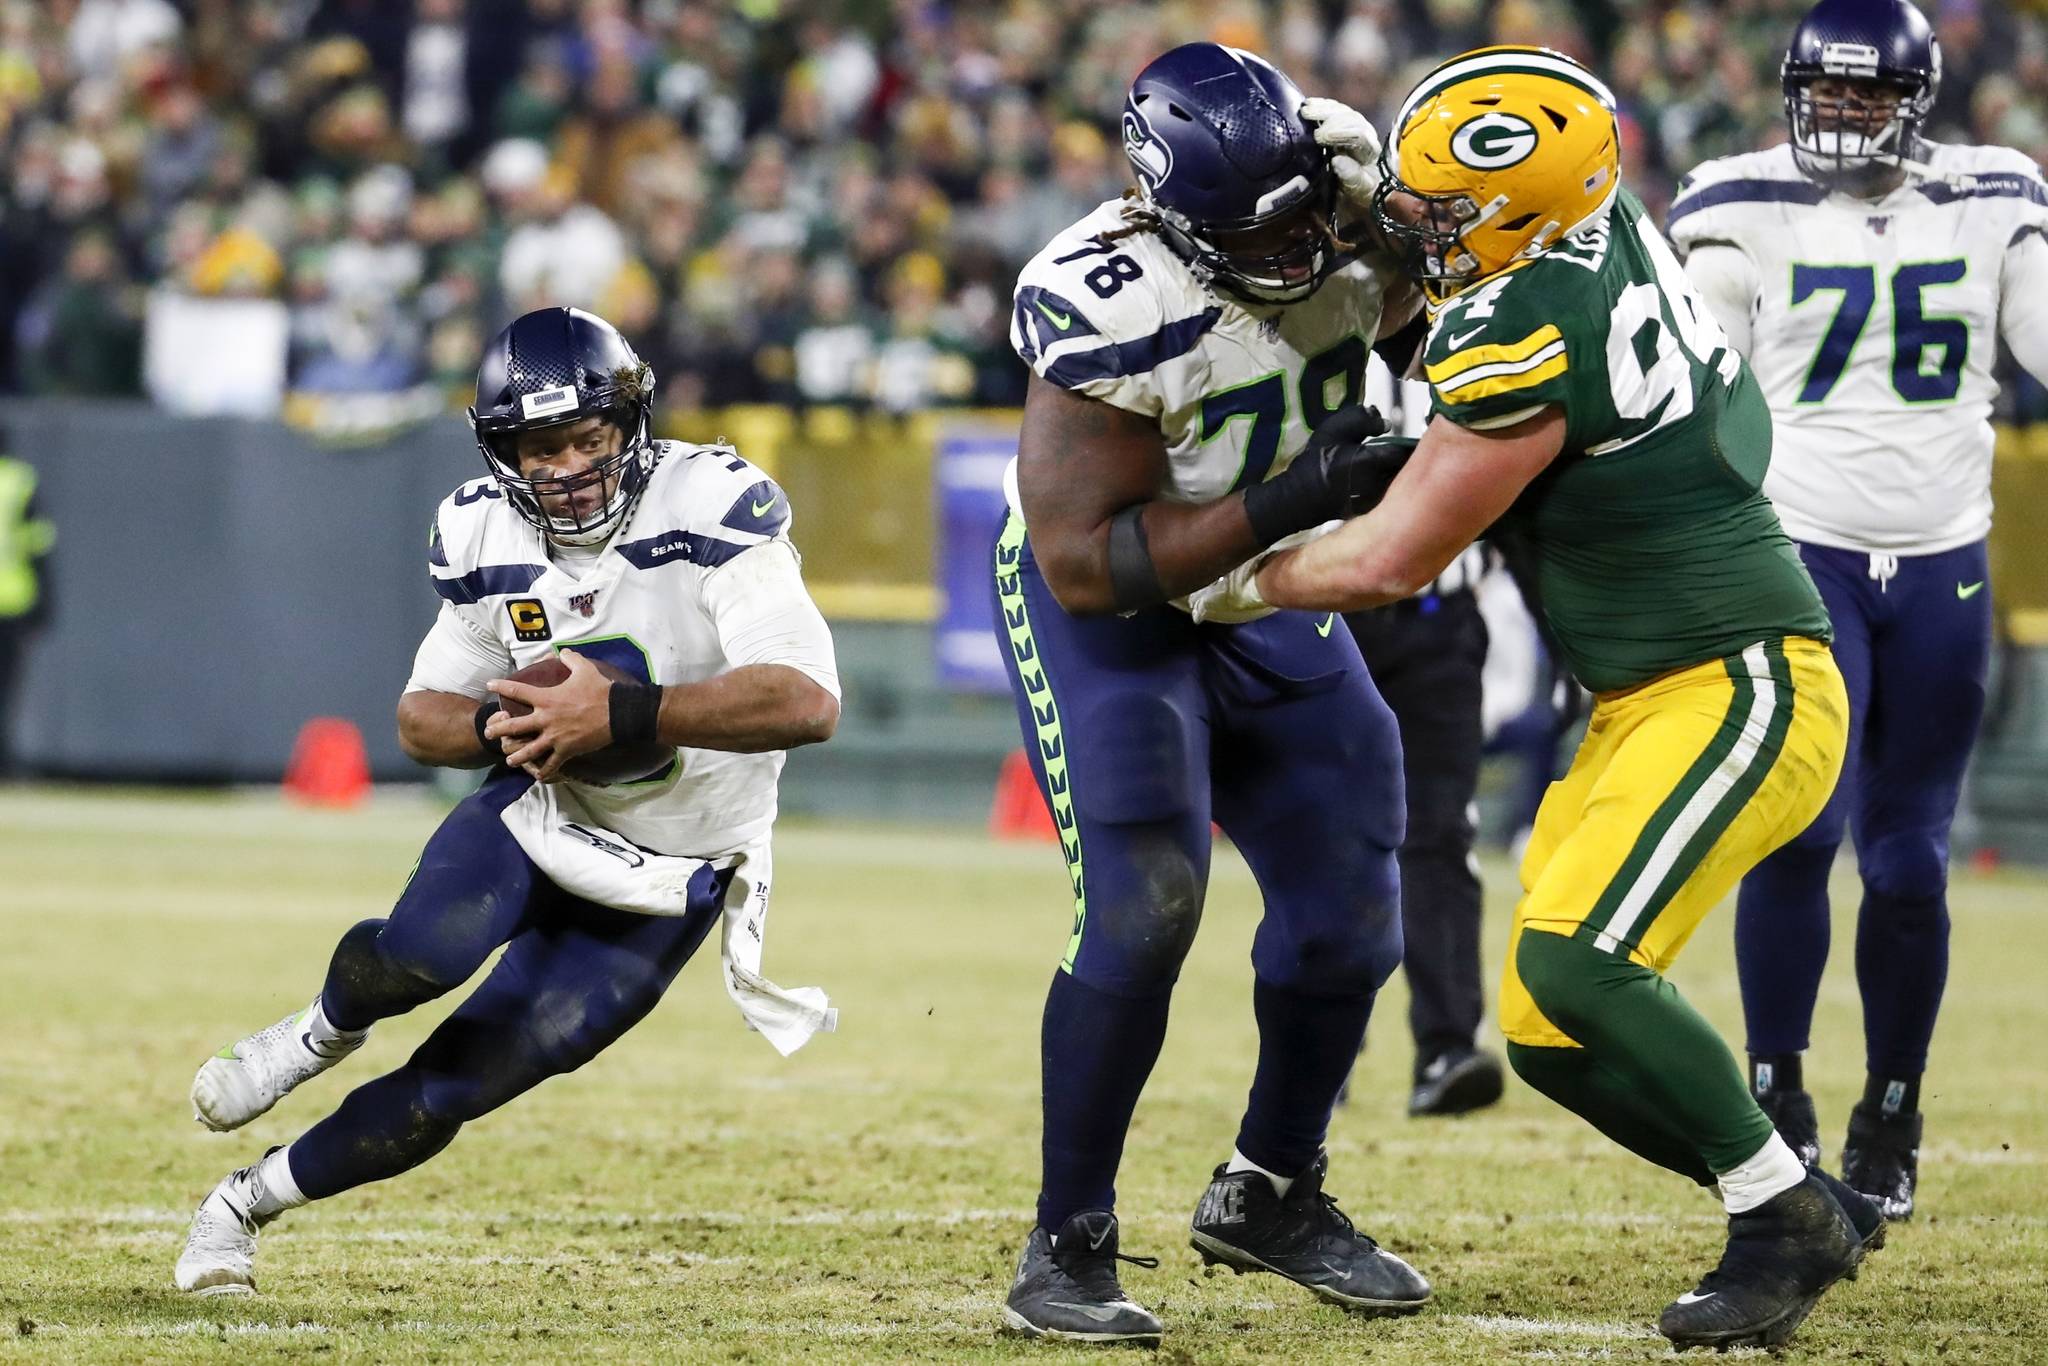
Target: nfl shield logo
x,y
1878,225
586,603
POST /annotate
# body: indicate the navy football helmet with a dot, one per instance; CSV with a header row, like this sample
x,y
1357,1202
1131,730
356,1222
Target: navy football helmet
x,y
552,367
1884,46
1232,173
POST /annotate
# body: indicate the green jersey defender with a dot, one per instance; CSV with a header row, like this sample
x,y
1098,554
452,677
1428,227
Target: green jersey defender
x,y
1654,545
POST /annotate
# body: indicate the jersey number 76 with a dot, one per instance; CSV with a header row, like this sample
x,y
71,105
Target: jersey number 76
x,y
1914,333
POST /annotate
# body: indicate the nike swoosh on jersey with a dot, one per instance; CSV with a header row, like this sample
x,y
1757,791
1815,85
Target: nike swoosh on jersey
x,y
1966,591
1323,626
1062,321
1456,342
761,509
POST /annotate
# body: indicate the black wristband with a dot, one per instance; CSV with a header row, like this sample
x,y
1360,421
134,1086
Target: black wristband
x,y
484,712
1287,504
1133,578
636,710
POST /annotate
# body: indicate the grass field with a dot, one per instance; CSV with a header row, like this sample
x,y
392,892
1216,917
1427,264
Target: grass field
x,y
690,1196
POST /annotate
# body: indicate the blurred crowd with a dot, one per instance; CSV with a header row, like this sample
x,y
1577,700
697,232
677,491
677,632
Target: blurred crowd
x,y
804,203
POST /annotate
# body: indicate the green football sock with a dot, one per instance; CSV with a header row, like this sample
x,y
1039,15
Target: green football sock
x,y
1637,1026
1576,1080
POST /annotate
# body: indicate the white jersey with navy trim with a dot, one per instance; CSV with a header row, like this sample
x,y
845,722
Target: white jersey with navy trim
x,y
1236,388
1873,326
676,596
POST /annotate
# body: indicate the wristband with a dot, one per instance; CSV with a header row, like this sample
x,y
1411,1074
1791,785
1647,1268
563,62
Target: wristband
x,y
484,712
636,708
1133,578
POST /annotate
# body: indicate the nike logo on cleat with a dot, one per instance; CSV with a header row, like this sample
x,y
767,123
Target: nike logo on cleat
x,y
1100,1313
1695,1297
1966,591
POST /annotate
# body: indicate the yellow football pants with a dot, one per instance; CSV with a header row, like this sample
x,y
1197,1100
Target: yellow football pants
x,y
1681,786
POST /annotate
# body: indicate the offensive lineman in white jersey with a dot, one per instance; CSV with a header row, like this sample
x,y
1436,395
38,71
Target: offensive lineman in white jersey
x,y
1868,275
673,565
1197,352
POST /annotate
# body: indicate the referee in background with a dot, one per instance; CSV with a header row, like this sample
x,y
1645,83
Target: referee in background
x,y
1425,655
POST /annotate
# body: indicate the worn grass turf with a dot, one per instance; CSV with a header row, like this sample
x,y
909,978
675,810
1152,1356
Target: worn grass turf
x,y
690,1196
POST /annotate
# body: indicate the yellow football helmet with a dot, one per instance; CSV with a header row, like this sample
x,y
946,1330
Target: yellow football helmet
x,y
1497,154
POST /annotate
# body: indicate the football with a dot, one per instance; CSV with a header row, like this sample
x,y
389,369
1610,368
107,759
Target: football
x,y
613,763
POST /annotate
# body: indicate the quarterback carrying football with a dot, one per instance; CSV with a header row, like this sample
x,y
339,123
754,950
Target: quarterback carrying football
x,y
672,565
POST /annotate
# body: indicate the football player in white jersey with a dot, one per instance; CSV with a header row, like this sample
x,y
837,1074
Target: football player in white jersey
x,y
1198,349
1869,274
594,542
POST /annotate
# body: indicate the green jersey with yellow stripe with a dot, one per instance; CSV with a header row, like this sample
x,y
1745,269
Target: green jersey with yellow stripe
x,y
1655,548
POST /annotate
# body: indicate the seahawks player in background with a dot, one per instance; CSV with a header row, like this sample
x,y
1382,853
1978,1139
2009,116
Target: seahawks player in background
x,y
1197,350
673,564
1869,274
1587,404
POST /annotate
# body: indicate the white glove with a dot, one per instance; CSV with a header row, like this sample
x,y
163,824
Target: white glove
x,y
1234,598
1354,147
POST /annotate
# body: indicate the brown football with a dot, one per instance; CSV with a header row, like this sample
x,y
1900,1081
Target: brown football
x,y
613,763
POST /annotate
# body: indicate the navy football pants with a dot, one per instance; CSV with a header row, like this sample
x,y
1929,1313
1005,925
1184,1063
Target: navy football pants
x,y
574,977
1142,729
1913,647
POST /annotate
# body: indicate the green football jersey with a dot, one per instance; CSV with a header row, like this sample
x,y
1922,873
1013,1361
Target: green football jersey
x,y
1654,546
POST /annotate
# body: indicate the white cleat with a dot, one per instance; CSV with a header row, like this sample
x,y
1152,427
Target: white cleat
x,y
248,1077
220,1251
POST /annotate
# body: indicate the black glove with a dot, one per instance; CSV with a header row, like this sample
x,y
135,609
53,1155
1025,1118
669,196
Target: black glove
x,y
1344,469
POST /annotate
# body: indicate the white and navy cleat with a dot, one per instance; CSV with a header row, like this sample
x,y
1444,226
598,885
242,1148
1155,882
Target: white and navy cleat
x,y
220,1251
249,1076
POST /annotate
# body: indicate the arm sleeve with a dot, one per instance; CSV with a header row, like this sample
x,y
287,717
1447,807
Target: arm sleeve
x,y
457,657
2023,300
1726,278
763,614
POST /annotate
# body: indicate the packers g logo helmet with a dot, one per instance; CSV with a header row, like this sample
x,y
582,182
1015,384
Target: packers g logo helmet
x,y
1496,155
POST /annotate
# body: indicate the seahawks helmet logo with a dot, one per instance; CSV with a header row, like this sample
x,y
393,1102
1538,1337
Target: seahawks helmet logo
x,y
1150,157
1493,140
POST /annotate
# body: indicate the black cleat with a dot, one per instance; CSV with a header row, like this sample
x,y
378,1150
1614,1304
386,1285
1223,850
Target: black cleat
x,y
1244,1225
1881,1158
1456,1083
1791,1114
1864,1215
1067,1289
1780,1257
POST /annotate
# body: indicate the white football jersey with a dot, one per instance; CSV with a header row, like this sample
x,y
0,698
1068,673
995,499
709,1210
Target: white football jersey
x,y
667,599
1236,388
1873,326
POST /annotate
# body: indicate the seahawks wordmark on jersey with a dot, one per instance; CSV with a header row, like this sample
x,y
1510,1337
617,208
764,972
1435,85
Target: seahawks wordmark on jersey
x,y
1873,327
1235,388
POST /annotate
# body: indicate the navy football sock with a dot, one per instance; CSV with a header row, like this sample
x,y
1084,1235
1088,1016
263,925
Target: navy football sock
x,y
383,1128
1778,1072
1096,1051
1781,946
1307,1046
1901,968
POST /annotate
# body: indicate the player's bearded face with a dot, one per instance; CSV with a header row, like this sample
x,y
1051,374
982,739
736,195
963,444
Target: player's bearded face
x,y
565,464
1285,248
